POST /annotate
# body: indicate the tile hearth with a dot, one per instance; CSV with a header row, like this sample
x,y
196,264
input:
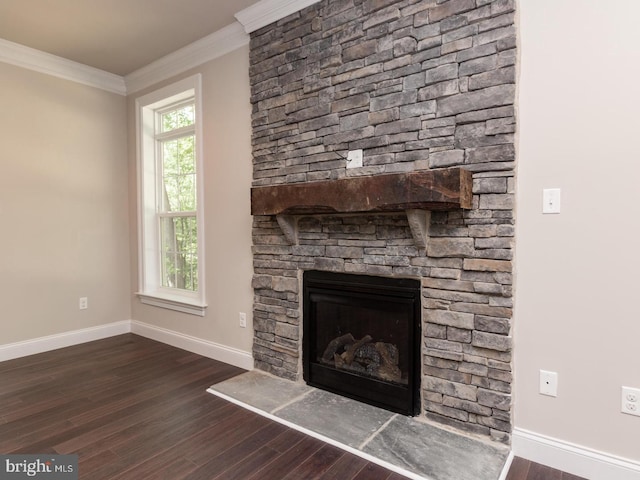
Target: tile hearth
x,y
409,446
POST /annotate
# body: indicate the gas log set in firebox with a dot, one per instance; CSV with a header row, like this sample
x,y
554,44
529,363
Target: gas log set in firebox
x,y
364,356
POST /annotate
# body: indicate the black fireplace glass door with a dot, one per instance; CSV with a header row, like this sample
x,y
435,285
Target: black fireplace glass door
x,y
361,338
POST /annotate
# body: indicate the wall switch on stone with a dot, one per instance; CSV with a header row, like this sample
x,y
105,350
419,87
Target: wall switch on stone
x,y
354,159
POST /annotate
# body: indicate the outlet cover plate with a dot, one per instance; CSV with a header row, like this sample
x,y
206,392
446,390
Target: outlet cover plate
x,y
631,401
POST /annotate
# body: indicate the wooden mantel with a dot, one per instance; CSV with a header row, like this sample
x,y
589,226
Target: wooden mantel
x,y
427,190
416,193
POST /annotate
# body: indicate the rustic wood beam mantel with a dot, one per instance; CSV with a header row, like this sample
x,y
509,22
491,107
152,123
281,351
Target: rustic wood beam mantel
x,y
416,193
443,189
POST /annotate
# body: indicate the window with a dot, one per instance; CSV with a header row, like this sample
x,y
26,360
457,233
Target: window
x,y
170,197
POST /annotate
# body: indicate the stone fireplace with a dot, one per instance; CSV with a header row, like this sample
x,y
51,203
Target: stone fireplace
x,y
420,86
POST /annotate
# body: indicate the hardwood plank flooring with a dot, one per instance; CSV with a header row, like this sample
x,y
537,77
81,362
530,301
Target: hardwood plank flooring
x,y
522,469
133,408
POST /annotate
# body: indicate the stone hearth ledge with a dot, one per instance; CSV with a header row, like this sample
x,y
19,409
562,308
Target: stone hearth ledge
x,y
409,446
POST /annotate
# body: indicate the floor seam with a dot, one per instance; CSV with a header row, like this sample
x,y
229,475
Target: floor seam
x,y
388,440
375,434
291,402
336,443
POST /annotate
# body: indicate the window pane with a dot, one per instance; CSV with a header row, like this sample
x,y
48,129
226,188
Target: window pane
x,y
178,237
186,152
180,117
187,195
178,172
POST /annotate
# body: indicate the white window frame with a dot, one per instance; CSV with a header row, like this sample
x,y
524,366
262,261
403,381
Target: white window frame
x,y
151,291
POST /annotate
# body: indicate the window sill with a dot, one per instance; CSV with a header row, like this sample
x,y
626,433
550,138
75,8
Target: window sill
x,y
174,302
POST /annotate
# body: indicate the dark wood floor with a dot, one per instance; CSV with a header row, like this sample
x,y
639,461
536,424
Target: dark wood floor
x,y
132,408
525,470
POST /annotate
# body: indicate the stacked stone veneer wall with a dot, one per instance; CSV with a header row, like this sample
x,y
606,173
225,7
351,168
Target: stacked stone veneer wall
x,y
417,85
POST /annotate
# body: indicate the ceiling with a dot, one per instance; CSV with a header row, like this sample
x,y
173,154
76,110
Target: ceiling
x,y
118,36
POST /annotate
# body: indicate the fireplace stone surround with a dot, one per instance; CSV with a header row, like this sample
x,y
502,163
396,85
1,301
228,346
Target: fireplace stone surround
x,y
419,86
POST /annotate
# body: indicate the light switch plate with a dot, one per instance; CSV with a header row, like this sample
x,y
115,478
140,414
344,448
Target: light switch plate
x,y
551,200
354,159
549,383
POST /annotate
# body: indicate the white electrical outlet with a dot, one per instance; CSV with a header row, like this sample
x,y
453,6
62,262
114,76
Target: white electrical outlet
x,y
631,401
83,303
243,320
549,383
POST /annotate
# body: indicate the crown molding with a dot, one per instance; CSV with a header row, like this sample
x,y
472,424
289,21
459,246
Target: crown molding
x,y
32,59
265,12
201,51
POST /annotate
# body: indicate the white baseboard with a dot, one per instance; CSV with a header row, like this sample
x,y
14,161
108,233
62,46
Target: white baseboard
x,y
61,340
572,458
506,467
202,347
222,353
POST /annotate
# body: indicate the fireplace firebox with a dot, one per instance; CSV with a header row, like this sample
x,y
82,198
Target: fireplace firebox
x,y
361,338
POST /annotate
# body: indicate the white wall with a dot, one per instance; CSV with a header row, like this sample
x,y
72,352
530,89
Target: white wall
x,y
228,174
68,209
63,206
577,273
